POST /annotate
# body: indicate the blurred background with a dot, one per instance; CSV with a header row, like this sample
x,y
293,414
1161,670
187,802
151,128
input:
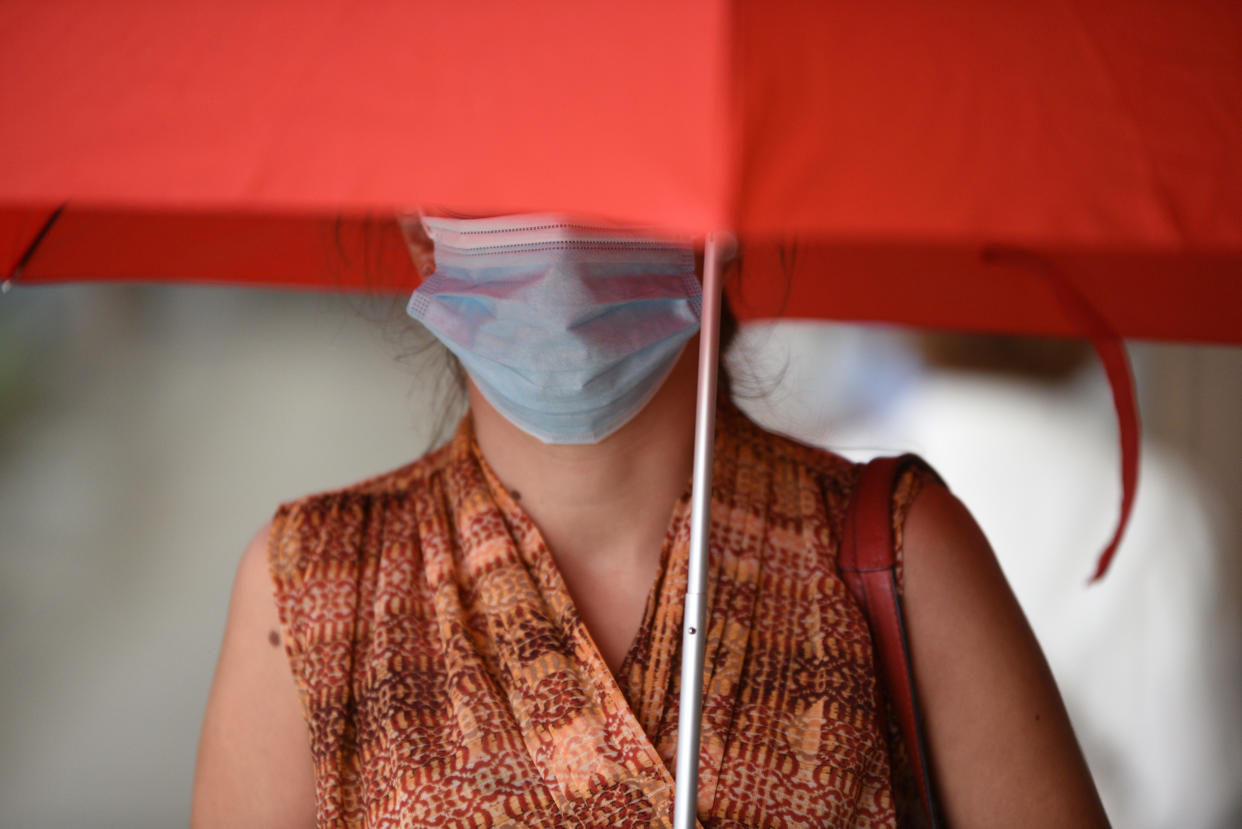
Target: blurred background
x,y
147,432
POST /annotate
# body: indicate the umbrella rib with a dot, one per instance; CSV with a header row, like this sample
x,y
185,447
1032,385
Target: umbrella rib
x,y
29,253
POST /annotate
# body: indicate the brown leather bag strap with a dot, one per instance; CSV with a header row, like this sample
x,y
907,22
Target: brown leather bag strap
x,y
868,561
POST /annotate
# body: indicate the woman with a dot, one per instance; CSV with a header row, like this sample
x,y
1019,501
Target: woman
x,y
489,636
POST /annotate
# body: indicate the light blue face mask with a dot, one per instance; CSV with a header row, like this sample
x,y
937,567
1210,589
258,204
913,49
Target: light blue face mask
x,y
567,329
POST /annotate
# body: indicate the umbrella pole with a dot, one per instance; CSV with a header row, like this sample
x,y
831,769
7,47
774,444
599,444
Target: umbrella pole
x,y
693,633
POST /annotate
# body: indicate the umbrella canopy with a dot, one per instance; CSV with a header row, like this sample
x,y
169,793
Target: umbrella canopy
x,y
871,156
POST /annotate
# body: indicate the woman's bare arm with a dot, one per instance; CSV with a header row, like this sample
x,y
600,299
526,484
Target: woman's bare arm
x,y
1002,749
254,762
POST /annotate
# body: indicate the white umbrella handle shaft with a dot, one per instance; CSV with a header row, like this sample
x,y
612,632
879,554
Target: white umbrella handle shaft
x,y
693,632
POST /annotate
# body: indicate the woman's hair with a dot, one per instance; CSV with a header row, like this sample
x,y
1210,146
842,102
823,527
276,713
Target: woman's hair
x,y
357,245
728,336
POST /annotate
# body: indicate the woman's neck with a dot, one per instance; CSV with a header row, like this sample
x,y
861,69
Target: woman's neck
x,y
605,505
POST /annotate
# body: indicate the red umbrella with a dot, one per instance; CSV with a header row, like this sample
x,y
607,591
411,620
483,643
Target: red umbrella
x,y
1060,168
877,153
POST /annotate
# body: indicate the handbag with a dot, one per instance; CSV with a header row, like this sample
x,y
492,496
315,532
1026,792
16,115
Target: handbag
x,y
868,561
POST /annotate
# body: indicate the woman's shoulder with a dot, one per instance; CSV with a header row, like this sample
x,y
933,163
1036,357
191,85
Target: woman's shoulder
x,y
324,529
838,478
774,446
410,478
840,475
314,564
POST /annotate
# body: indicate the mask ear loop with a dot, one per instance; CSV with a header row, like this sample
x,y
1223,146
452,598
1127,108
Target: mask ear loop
x,y
694,633
414,217
422,222
415,231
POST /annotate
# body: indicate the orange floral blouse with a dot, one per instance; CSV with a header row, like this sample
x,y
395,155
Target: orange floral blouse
x,y
447,679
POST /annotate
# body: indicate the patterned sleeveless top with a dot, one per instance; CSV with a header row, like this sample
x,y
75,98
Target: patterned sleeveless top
x,y
447,679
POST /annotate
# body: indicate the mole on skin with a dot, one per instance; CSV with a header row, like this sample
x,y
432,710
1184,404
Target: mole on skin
x,y
274,638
